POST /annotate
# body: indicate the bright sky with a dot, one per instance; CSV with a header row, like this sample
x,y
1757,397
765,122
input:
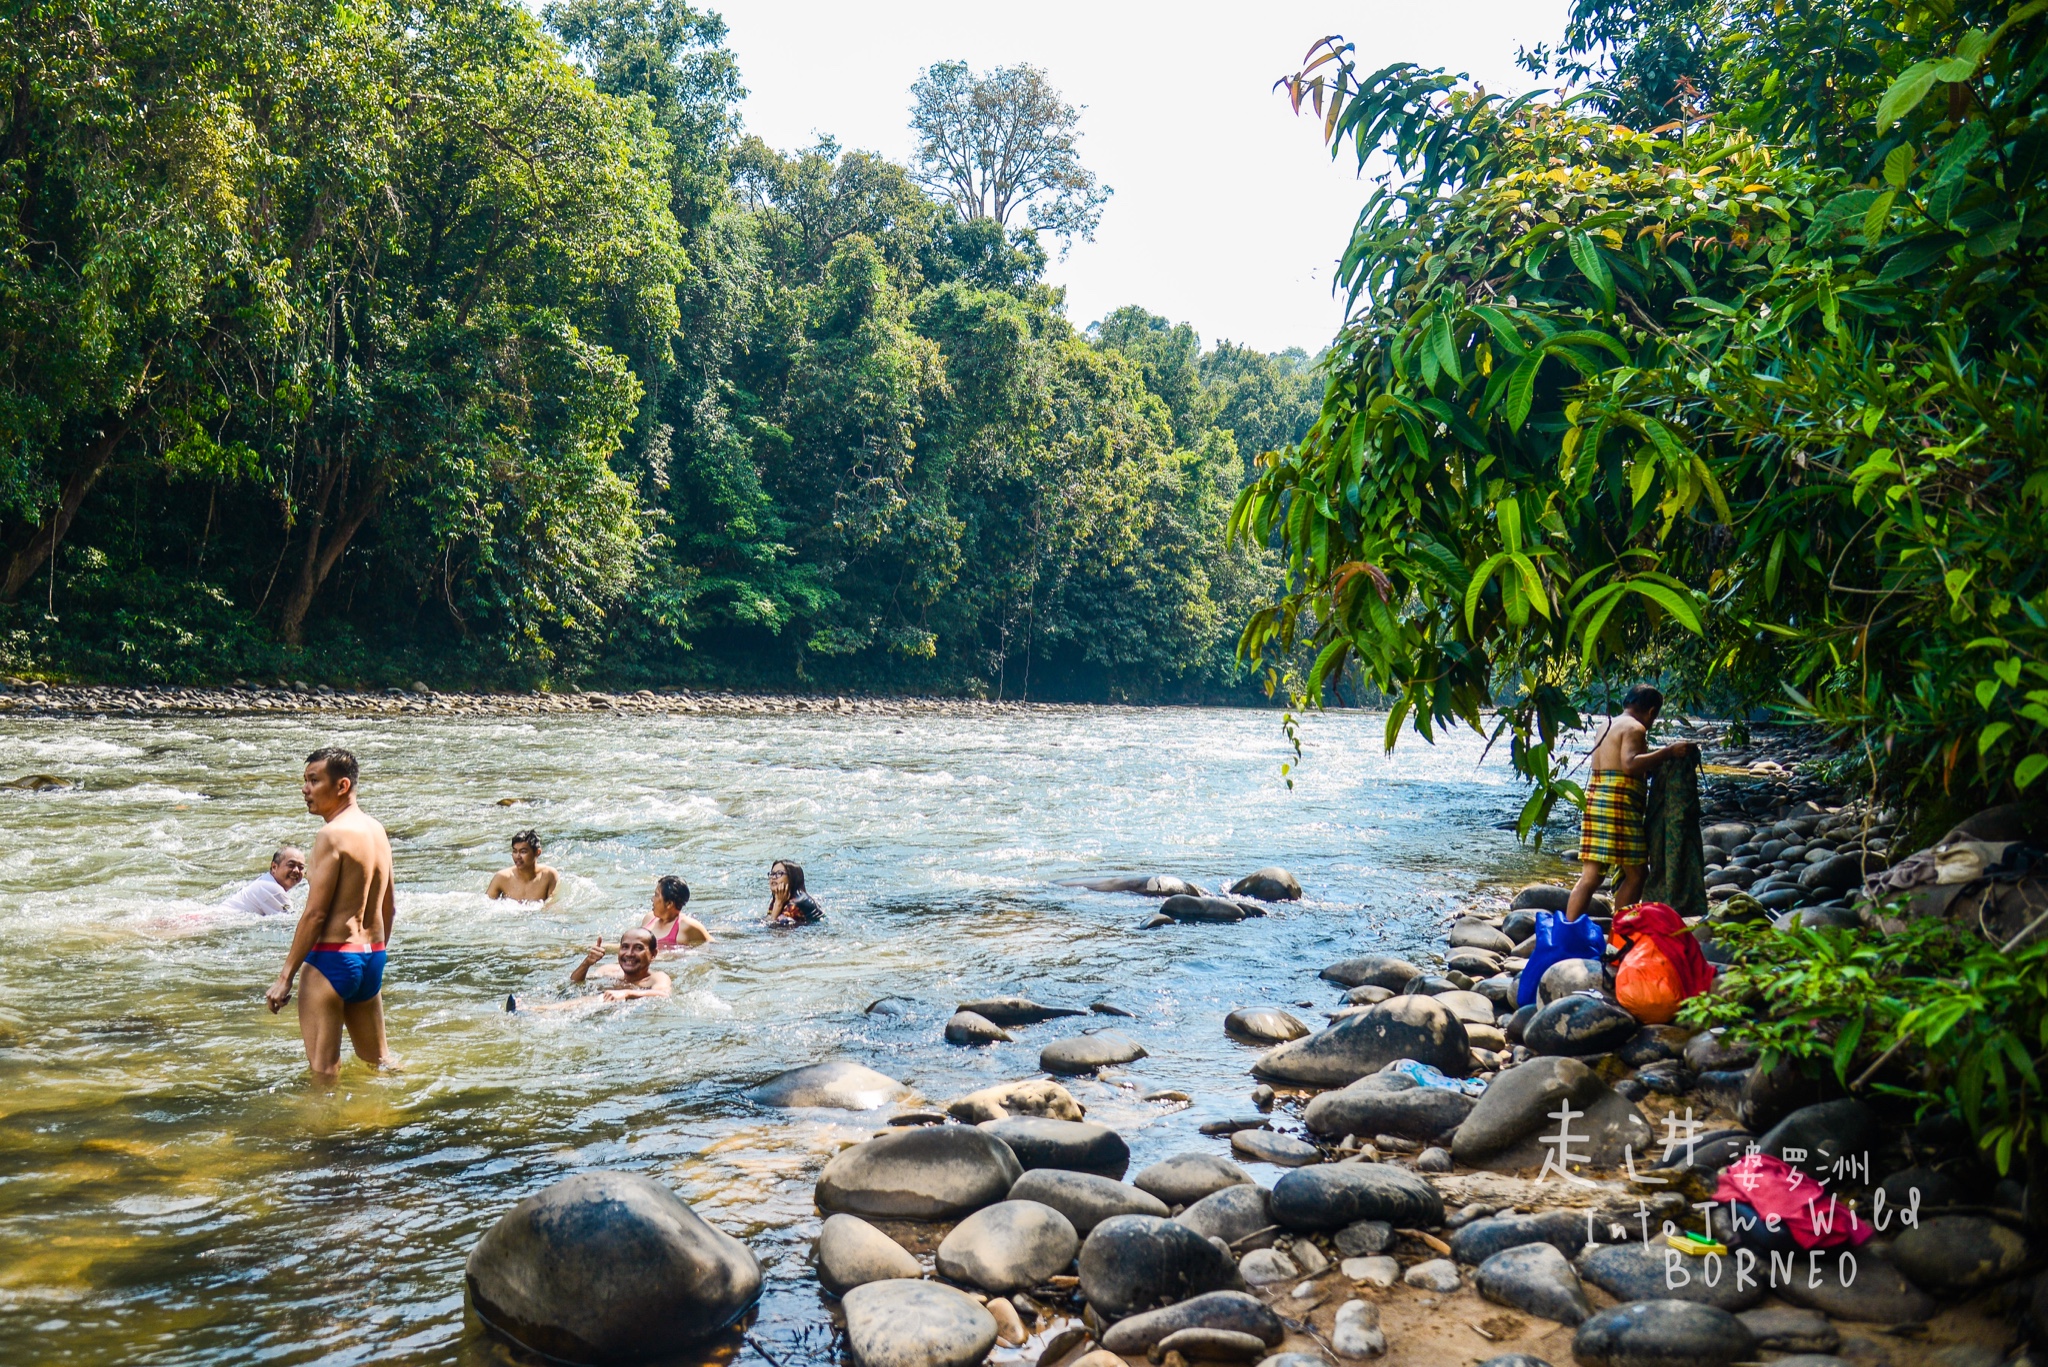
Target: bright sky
x,y
1228,213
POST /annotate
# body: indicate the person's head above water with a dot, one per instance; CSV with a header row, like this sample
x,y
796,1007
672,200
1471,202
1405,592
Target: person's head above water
x,y
526,850
671,894
288,866
1644,702
637,949
785,879
329,783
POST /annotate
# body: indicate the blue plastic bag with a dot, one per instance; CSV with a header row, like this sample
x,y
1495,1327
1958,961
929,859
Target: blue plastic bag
x,y
1422,1075
1558,939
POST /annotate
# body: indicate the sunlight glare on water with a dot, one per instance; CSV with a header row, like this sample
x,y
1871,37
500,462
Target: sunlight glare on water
x,y
172,1192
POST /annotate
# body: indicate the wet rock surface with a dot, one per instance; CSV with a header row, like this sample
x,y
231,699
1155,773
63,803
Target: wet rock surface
x,y
1086,1199
1411,1027
1032,1096
1333,1195
936,1172
1087,1053
1074,1145
852,1252
916,1324
1263,1025
1133,1263
836,1085
1662,1333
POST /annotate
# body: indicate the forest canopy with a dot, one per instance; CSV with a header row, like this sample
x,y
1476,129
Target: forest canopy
x,y
405,339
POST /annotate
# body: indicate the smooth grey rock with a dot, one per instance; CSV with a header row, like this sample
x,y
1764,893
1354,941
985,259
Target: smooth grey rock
x,y
1499,991
1368,995
1641,1272
1085,1198
1147,885
1031,1096
1469,1007
1356,1332
1654,1044
1230,1214
1432,984
1933,1188
1378,1270
1372,970
1016,1010
1133,1263
852,1252
1471,933
1827,1133
1333,1195
1270,884
608,1267
1221,910
1541,897
934,1172
1267,1146
1564,1230
1727,834
916,1324
836,1085
1662,1333
1473,963
1008,1246
1364,1108
1580,1026
1186,1178
1434,1159
1214,1345
1959,1252
1414,1027
1535,1279
1567,976
967,1028
1517,1104
1263,1025
1268,1267
1436,1274
1876,1292
1363,1238
1294,1360
1086,1053
1791,1331
1075,1145
1839,872
1236,1311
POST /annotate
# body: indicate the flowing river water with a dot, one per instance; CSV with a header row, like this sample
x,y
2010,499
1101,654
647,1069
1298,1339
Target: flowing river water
x,y
172,1191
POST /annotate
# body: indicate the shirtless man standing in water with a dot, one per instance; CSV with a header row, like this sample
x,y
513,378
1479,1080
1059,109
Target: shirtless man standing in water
x,y
1611,833
346,924
528,880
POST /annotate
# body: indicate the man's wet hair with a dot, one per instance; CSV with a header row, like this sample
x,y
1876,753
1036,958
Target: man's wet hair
x,y
282,850
529,838
673,890
1644,697
653,945
339,762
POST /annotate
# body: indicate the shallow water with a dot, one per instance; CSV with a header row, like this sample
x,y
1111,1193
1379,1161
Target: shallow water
x,y
172,1192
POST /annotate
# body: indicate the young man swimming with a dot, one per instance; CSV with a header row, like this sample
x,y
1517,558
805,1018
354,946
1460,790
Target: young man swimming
x,y
528,880
634,974
1611,831
342,934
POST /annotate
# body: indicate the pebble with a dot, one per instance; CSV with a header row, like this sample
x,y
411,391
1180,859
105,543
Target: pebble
x,y
916,1324
1434,1160
1380,1271
852,1252
1009,1325
1535,1279
1438,1274
1294,1360
1267,1267
1267,1146
1364,1237
1356,1332
1662,1333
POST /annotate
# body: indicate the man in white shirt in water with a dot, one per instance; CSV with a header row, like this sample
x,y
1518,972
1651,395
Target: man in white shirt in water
x,y
271,893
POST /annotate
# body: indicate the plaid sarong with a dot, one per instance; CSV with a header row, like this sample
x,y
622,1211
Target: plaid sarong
x,y
1612,829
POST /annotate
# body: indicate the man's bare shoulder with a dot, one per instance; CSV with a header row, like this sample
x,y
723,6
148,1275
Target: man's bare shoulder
x,y
1625,725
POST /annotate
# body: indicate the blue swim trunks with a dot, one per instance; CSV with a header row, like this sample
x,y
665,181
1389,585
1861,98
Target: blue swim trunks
x,y
356,971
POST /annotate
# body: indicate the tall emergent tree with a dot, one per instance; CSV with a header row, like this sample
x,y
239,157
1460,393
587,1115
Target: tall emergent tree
x,y
1004,143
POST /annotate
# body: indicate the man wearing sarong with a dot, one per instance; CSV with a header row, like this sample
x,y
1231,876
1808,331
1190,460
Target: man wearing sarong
x,y
1611,833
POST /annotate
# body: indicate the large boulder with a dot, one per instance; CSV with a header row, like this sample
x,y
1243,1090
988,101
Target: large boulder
x,y
608,1267
1016,1010
1417,1027
1087,1053
1332,1195
1535,1279
1469,932
1567,976
1032,1096
933,1172
1663,1333
1236,1311
1541,897
1388,1103
1518,1105
1372,970
1959,1253
837,1085
1824,1135
1074,1145
1577,1027
1008,1246
1186,1178
916,1324
1230,1214
1134,1263
1085,1198
852,1252
1263,1025
1269,885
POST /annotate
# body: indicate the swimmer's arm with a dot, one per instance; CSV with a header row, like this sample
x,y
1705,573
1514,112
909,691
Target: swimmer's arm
x,y
390,895
550,881
693,932
659,985
497,888
590,958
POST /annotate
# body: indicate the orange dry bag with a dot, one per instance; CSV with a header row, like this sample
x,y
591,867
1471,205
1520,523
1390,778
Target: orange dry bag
x,y
1647,985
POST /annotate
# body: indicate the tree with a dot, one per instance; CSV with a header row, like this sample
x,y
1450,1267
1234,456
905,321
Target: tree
x,y
996,145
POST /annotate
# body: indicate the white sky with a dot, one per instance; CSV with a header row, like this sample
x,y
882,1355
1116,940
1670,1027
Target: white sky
x,y
1228,212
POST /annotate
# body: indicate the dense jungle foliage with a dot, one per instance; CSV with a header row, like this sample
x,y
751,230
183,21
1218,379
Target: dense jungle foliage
x,y
1725,370
433,338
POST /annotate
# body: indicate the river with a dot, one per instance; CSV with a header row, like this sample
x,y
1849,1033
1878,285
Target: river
x,y
172,1192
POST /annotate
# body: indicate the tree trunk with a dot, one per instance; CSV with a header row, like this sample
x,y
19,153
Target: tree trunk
x,y
324,552
32,557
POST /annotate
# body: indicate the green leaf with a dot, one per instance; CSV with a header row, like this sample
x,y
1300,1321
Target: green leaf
x,y
1445,344
1678,605
1986,690
1395,717
1522,390
1480,578
1509,517
1878,214
1990,735
1586,256
1898,164
1906,92
1773,566
2029,770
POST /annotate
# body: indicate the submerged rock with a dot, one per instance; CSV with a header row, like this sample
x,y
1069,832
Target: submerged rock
x,y
1373,970
1186,1178
966,1027
1076,1146
852,1252
1032,1096
1133,1263
1217,909
1412,1027
916,1324
608,1267
1263,1025
1148,885
937,1172
1662,1333
1269,884
1332,1195
1008,1246
837,1085
1085,1198
1235,1311
1016,1010
1087,1053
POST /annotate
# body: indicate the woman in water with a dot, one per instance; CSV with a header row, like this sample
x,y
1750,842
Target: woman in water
x,y
788,903
666,920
